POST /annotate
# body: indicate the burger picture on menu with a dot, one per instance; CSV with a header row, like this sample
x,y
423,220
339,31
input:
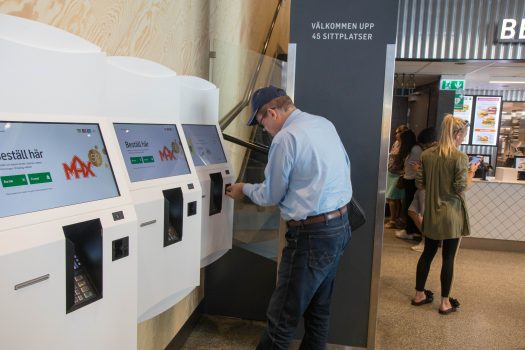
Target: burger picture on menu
x,y
492,109
483,113
483,138
488,121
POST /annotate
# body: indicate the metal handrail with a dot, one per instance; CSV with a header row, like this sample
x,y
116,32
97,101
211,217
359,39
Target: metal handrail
x,y
250,145
232,114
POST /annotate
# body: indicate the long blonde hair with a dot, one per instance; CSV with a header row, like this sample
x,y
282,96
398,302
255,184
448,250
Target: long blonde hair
x,y
450,128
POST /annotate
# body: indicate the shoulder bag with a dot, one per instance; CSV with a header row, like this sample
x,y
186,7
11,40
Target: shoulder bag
x,y
356,214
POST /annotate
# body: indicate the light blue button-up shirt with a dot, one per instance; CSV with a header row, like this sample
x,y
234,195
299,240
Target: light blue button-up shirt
x,y
308,170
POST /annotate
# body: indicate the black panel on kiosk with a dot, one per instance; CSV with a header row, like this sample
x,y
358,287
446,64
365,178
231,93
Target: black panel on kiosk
x,y
206,149
51,165
153,151
173,216
216,193
83,264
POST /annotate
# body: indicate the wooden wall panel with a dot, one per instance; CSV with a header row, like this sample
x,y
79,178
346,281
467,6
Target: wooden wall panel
x,y
173,33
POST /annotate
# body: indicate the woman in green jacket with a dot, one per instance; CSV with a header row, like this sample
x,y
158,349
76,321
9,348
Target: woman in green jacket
x,y
444,174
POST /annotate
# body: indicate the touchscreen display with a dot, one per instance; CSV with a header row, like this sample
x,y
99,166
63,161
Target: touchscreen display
x,y
151,151
51,165
204,143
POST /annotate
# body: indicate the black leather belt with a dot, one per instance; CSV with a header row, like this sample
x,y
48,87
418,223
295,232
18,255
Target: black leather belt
x,y
318,218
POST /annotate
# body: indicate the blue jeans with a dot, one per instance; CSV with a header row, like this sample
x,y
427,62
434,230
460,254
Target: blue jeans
x,y
306,278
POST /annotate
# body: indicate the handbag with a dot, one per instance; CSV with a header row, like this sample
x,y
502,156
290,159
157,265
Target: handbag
x,y
356,214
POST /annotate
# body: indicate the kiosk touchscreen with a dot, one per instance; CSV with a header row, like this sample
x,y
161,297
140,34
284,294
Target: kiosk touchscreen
x,y
214,171
167,199
67,240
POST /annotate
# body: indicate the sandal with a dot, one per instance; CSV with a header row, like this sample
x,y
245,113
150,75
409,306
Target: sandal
x,y
454,302
429,297
447,311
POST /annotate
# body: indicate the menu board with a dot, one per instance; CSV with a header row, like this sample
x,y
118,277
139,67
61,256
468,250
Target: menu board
x,y
205,144
519,163
51,165
465,113
151,151
486,120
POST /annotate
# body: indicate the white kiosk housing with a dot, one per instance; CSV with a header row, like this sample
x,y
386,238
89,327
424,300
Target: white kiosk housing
x,y
141,100
68,237
199,116
68,230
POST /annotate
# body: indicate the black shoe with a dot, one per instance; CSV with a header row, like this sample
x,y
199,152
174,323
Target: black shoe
x,y
429,297
447,311
454,302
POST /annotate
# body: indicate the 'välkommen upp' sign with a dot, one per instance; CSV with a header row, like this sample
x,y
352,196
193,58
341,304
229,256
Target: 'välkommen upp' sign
x,y
341,59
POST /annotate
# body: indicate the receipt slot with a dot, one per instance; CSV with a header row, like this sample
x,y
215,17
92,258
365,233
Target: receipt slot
x,y
167,198
215,174
64,208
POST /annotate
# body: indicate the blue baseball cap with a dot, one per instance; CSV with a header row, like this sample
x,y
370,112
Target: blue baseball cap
x,y
262,97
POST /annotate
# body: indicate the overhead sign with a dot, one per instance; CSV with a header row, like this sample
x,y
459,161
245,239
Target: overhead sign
x,y
449,84
511,30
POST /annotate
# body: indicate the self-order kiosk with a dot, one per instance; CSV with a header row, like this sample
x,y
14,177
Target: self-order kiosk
x,y
199,115
167,197
141,103
215,173
68,237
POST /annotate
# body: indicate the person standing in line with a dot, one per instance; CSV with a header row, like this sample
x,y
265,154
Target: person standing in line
x,y
426,138
407,144
445,174
308,177
393,194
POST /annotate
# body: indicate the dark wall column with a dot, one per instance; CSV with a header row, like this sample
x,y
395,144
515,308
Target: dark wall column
x,y
341,74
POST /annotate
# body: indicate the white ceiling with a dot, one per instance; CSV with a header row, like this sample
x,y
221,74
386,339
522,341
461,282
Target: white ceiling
x,y
477,74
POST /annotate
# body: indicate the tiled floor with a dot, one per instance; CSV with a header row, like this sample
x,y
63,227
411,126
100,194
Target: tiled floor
x,y
490,286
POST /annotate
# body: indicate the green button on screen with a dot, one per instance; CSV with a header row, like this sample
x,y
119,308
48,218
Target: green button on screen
x,y
136,160
39,178
14,180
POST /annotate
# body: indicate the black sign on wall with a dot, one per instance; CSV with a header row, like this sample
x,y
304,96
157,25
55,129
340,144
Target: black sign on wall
x,y
341,55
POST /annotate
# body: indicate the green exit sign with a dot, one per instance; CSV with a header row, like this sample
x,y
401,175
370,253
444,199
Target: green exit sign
x,y
449,84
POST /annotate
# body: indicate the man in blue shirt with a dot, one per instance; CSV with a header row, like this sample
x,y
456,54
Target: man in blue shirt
x,y
308,177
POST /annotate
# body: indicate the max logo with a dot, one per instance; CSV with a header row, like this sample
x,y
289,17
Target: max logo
x,y
78,167
166,154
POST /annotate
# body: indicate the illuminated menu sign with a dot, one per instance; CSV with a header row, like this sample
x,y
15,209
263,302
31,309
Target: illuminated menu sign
x,y
205,144
151,151
465,113
520,163
486,120
51,165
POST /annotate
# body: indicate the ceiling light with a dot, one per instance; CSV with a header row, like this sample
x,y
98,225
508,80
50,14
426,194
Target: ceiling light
x,y
507,80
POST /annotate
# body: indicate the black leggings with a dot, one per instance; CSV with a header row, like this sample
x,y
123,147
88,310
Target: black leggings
x,y
450,247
